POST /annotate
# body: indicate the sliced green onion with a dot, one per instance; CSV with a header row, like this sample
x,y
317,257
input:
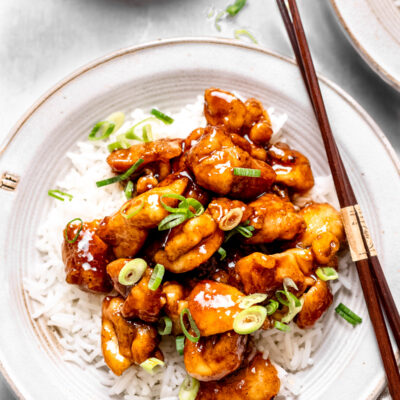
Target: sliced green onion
x,y
156,277
193,325
161,116
132,271
252,173
121,177
128,190
111,124
133,210
114,146
250,320
218,19
289,282
233,9
327,274
180,344
244,32
347,314
245,231
272,306
147,133
250,300
170,221
130,134
123,141
52,193
77,233
198,207
189,388
164,326
281,327
222,253
291,301
172,209
151,363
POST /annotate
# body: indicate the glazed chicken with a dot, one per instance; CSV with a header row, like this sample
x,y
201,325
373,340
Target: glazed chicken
x,y
86,258
220,245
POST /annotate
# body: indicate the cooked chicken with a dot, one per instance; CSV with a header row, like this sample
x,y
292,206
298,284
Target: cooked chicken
x,y
175,295
257,152
324,247
228,213
86,259
113,270
158,150
257,381
214,306
316,302
127,235
123,342
320,218
212,160
223,108
143,302
291,167
274,219
261,273
190,244
214,357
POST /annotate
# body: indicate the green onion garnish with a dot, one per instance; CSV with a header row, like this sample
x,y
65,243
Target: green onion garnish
x,y
180,344
250,300
132,271
193,325
189,388
121,177
178,210
156,277
77,233
128,190
249,172
272,306
218,19
222,253
289,299
198,207
244,32
249,320
164,326
244,229
52,193
233,9
111,124
147,133
161,116
281,327
327,274
151,363
133,210
348,315
170,221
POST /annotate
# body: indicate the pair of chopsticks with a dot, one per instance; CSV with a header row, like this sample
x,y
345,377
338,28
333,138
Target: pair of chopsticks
x,y
375,288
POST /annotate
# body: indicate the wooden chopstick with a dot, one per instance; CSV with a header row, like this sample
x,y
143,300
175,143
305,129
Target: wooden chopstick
x,y
370,272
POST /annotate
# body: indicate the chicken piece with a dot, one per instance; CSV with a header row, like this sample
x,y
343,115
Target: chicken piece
x,y
274,219
143,302
175,295
113,270
320,218
157,150
324,248
127,235
214,357
86,259
316,301
214,306
257,381
212,160
190,244
228,213
146,183
223,108
255,151
291,167
123,342
261,273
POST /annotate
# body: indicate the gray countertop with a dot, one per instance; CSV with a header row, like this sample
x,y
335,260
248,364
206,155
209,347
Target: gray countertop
x,y
44,40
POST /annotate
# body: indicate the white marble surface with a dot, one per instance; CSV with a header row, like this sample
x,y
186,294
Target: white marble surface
x,y
41,41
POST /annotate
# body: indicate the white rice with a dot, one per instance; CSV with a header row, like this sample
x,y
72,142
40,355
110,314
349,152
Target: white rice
x,y
77,315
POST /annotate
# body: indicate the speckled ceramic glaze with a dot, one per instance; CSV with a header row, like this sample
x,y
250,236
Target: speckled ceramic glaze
x,y
373,27
171,74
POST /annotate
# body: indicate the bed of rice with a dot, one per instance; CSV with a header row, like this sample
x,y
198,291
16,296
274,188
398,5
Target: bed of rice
x,y
76,315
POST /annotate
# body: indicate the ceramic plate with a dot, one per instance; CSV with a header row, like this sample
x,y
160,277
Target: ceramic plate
x,y
373,27
171,74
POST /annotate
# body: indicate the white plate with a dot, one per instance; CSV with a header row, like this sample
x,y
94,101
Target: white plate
x,y
170,74
373,27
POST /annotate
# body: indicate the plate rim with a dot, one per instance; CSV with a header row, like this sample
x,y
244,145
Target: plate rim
x,y
362,51
190,40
